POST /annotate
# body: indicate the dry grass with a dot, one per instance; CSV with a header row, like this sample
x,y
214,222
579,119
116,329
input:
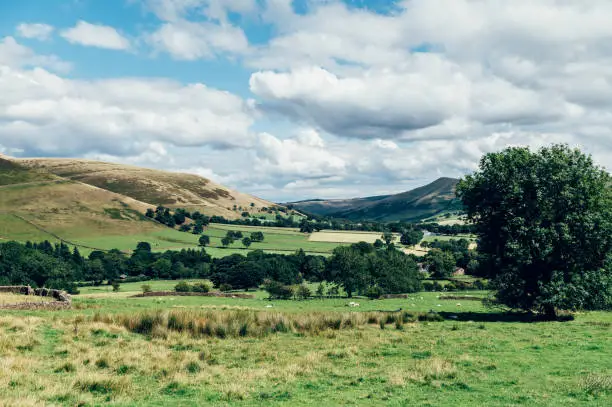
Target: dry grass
x,y
248,323
347,237
9,298
152,186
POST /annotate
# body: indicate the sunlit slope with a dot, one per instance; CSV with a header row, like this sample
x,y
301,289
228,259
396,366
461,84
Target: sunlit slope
x,y
175,190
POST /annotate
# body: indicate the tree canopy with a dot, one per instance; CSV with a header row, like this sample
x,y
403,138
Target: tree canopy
x,y
544,222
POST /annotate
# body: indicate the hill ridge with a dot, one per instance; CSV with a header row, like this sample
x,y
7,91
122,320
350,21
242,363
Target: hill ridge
x,y
416,204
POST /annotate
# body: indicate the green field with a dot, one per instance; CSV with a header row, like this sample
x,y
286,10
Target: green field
x,y
432,238
481,357
276,240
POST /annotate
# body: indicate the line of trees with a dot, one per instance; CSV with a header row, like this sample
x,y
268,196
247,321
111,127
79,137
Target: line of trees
x,y
311,224
357,268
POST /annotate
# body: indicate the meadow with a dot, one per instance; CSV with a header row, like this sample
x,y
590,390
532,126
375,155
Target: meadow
x,y
276,240
111,349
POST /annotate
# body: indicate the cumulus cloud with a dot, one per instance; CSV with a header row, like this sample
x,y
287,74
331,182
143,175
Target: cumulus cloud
x,y
45,114
187,40
302,156
190,39
35,30
95,35
13,54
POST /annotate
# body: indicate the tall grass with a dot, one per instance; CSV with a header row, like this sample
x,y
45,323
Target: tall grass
x,y
250,323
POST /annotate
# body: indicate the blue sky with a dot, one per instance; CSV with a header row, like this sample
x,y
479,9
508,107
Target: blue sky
x,y
301,99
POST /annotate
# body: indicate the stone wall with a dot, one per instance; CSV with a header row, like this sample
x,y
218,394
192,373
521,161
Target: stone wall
x,y
62,298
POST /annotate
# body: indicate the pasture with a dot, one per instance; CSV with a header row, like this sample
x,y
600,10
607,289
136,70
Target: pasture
x,y
100,353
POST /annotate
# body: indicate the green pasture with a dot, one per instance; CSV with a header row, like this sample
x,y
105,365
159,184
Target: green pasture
x,y
476,357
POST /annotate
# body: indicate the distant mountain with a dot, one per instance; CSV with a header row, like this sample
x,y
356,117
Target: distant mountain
x,y
417,204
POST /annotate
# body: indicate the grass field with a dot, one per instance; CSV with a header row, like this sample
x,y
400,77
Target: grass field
x,y
90,356
336,236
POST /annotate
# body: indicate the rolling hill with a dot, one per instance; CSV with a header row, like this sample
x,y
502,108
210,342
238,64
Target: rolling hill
x,y
75,200
155,187
417,204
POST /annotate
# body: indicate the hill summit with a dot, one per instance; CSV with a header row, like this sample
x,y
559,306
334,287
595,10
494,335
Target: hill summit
x,y
416,204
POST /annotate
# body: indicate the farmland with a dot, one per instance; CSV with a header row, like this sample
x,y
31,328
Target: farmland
x,y
88,356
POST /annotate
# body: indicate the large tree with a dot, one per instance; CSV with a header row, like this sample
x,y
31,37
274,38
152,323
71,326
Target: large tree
x,y
544,221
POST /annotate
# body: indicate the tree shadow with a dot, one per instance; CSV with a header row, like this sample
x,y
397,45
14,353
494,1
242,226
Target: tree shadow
x,y
526,317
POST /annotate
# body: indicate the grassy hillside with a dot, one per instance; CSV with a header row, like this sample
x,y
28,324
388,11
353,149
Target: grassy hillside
x,y
13,173
91,205
412,205
174,190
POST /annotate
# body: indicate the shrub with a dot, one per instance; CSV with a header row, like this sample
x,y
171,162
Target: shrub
x,y
428,286
116,286
374,292
277,290
225,287
437,286
146,288
200,288
182,287
450,287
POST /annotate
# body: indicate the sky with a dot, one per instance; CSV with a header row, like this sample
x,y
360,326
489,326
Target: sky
x,y
291,100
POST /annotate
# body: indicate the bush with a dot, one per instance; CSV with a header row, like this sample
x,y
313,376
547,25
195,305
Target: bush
x,y
374,292
277,290
302,292
450,287
116,286
428,286
437,286
146,288
225,287
182,287
480,285
200,288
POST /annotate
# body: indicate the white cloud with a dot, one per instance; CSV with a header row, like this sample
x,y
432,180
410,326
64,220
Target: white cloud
x,y
95,35
13,54
187,38
189,41
375,103
302,156
35,30
47,114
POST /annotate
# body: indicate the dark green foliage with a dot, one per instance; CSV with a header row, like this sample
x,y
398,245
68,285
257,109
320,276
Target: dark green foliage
x,y
257,236
544,221
278,290
204,240
441,264
182,287
374,292
411,237
359,266
246,242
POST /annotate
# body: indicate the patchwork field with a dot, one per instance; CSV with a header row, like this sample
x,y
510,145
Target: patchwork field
x,y
103,353
347,236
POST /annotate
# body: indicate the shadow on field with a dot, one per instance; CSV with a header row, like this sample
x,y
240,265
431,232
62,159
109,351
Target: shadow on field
x,y
502,317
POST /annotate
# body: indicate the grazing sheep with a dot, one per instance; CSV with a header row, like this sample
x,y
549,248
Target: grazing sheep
x,y
353,304
458,304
